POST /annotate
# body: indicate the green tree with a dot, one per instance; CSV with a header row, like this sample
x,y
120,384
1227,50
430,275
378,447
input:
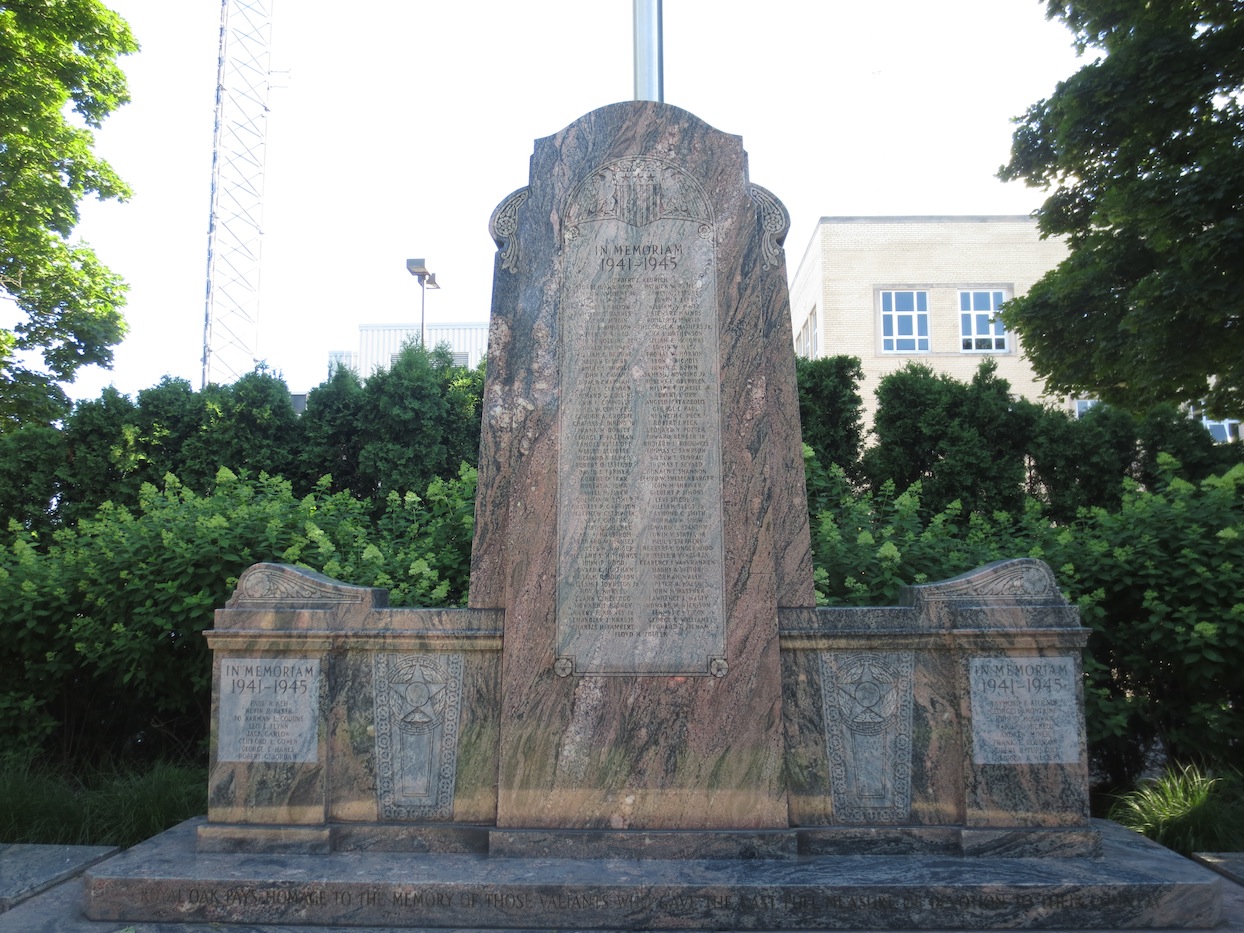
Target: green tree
x,y
57,59
247,425
106,644
1157,581
30,460
102,459
167,417
420,421
1143,149
1080,463
332,425
830,408
961,441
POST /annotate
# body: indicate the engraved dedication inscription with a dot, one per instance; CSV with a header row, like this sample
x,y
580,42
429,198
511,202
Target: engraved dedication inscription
x,y
1024,711
640,553
269,709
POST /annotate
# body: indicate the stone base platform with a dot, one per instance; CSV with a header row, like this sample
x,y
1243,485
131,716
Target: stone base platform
x,y
26,870
1134,885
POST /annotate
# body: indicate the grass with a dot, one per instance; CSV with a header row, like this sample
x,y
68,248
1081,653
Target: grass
x,y
1187,810
111,805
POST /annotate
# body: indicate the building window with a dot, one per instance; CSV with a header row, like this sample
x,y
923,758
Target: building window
x,y
1083,405
980,327
905,322
805,341
1223,432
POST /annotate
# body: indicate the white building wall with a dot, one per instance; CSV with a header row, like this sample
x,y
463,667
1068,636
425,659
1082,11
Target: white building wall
x,y
807,301
379,344
851,260
468,339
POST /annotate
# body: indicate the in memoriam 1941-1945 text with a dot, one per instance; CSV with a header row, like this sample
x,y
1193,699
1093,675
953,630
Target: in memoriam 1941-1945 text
x,y
269,710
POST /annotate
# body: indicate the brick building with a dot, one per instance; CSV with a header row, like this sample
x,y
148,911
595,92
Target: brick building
x,y
893,289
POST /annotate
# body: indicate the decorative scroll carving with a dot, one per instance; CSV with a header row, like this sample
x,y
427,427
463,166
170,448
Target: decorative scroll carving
x,y
279,586
1024,579
774,220
503,225
867,699
418,698
638,192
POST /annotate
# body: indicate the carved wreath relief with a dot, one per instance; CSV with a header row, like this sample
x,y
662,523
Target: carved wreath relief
x,y
867,700
638,192
417,702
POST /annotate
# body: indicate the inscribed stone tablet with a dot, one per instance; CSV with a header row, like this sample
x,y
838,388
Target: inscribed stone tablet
x,y
269,709
640,553
1024,711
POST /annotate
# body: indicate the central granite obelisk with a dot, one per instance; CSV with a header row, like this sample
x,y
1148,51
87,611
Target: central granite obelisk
x,y
641,389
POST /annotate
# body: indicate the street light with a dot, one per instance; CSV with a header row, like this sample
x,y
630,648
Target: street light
x,y
426,280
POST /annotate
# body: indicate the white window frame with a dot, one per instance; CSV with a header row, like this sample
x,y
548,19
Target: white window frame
x,y
980,329
805,342
1082,406
1223,431
900,326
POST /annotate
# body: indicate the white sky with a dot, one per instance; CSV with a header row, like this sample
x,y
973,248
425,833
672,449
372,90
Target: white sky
x,y
400,125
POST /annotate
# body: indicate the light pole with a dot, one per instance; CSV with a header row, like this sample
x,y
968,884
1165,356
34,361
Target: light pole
x,y
427,280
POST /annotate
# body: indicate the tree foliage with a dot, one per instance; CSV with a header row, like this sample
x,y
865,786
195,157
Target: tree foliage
x,y
977,445
962,441
57,58
1143,149
104,647
420,419
111,566
830,407
396,432
1158,581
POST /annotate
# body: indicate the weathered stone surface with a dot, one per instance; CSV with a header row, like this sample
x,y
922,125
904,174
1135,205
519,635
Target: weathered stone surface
x,y
1228,864
643,721
25,870
395,723
644,395
964,707
643,844
1134,884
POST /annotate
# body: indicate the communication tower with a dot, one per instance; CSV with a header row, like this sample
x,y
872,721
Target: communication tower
x,y
235,228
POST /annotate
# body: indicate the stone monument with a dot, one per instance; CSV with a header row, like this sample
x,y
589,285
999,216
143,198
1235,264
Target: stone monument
x,y
644,518
643,720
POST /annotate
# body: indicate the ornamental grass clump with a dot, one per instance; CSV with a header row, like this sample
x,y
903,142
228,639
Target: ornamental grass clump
x,y
1187,810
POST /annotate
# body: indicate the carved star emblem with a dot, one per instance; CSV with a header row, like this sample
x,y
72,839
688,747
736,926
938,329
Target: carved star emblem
x,y
867,694
420,691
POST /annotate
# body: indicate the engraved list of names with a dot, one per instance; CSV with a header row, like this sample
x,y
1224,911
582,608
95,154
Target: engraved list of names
x,y
640,552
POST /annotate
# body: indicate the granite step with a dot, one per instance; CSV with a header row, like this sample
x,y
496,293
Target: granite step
x,y
28,869
1135,884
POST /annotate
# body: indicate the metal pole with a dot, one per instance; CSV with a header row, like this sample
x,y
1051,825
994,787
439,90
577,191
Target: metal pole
x,y
649,51
423,304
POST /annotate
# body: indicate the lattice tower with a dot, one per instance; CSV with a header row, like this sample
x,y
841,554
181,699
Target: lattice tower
x,y
235,231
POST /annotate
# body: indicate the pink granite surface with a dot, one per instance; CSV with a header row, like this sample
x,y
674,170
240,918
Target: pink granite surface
x,y
632,743
390,742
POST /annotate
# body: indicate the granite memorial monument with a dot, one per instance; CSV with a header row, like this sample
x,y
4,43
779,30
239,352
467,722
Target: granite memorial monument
x,y
642,720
